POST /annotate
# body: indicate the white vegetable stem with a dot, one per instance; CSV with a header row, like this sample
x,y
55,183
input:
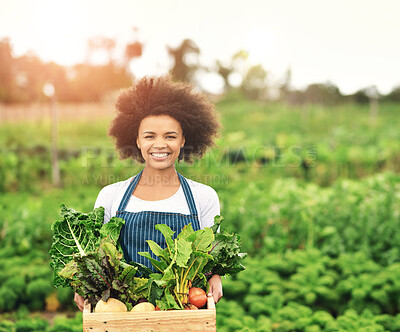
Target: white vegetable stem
x,y
82,253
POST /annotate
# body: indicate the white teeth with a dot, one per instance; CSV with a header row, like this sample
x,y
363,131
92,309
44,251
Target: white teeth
x,y
159,155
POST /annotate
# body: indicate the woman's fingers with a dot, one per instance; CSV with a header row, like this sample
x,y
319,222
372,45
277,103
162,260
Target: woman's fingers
x,y
79,301
215,287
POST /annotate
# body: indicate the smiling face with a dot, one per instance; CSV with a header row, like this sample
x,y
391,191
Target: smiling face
x,y
160,139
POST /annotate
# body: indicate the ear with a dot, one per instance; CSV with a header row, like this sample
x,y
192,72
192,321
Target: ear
x,y
137,143
183,140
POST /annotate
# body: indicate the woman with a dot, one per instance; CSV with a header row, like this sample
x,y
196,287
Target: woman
x,y
159,122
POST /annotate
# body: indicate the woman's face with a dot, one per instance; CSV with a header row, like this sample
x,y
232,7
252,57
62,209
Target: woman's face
x,y
160,139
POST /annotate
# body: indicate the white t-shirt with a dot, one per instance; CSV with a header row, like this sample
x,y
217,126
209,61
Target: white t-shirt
x,y
205,198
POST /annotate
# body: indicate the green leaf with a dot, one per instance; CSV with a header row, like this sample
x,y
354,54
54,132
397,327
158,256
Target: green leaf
x,y
143,270
160,266
202,239
112,229
69,270
186,231
127,275
227,258
196,264
184,249
217,223
168,301
139,289
75,233
96,270
162,254
109,250
155,248
168,233
156,290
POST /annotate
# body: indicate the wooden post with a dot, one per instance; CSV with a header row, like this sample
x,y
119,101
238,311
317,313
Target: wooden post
x,y
49,91
54,143
373,95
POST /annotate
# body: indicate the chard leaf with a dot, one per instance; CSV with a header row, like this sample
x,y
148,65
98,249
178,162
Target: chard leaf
x,y
127,274
117,285
105,295
196,263
167,301
69,270
155,248
111,230
156,290
163,254
142,270
110,251
186,231
77,234
184,249
202,239
157,264
97,272
168,233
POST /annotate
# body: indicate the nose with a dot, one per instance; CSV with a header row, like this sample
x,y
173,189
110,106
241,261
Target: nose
x,y
159,143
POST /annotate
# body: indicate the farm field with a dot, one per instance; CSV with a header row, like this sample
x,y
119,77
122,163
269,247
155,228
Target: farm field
x,y
314,192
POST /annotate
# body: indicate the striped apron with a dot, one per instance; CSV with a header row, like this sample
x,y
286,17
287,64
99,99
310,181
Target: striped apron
x,y
139,226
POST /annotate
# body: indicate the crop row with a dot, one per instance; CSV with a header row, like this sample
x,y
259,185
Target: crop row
x,y
265,141
347,217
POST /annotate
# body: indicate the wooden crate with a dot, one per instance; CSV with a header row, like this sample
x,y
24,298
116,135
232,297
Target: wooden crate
x,y
173,320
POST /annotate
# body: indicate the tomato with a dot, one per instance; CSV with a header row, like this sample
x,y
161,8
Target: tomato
x,y
197,297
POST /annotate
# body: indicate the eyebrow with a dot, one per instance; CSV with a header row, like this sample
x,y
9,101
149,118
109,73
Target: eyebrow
x,y
152,132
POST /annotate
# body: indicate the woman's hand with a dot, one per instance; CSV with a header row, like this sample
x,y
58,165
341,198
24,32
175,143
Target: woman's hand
x,y
215,287
79,301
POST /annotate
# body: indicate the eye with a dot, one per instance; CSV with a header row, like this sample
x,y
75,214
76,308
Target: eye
x,y
173,137
149,136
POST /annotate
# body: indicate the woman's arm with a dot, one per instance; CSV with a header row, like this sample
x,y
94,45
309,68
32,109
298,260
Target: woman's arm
x,y
210,208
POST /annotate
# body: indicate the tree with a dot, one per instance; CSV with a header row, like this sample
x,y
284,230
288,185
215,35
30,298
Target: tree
x,y
224,72
182,70
133,49
102,44
254,83
394,95
322,93
284,88
7,82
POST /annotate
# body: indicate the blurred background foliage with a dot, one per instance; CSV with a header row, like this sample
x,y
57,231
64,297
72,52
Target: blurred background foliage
x,y
22,78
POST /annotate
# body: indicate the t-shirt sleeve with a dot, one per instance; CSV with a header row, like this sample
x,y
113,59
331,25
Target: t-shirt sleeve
x,y
210,209
104,200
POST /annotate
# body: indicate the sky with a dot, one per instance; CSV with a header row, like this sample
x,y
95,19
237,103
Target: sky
x,y
350,43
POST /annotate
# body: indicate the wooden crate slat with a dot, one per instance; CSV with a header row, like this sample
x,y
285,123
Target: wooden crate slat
x,y
175,320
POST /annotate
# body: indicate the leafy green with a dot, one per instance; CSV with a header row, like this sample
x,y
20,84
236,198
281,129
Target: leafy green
x,y
76,234
225,252
181,263
102,274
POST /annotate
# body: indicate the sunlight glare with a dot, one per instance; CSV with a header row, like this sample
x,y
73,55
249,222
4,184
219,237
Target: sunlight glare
x,y
260,44
58,31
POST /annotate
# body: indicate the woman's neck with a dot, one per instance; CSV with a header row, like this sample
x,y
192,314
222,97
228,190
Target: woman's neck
x,y
159,177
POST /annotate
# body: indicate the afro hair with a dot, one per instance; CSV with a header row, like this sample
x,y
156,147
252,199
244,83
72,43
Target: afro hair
x,y
162,96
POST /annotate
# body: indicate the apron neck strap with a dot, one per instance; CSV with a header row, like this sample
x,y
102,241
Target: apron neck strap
x,y
185,186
